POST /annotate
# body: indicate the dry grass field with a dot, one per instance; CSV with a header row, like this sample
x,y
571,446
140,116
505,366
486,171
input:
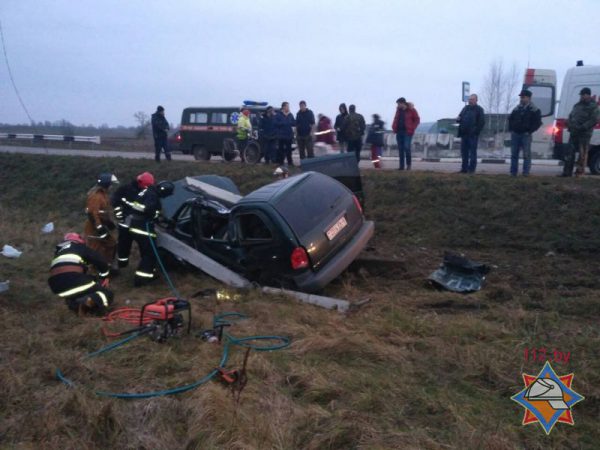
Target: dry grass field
x,y
415,368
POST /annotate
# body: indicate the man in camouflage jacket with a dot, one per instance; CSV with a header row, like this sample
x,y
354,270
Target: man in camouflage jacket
x,y
581,122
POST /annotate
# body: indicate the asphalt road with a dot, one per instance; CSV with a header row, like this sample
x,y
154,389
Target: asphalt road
x,y
539,167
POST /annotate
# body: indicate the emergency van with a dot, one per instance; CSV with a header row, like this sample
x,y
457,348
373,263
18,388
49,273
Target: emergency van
x,y
576,79
204,129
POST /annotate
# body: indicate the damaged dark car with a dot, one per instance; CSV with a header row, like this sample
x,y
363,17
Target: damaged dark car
x,y
300,232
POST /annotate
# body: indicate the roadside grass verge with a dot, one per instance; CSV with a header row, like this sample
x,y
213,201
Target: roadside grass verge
x,y
416,367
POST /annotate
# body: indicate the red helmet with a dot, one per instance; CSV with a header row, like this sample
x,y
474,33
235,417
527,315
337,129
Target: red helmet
x,y
145,179
74,237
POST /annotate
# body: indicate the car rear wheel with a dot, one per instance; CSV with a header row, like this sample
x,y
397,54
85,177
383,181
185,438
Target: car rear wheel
x,y
252,153
595,161
229,150
201,154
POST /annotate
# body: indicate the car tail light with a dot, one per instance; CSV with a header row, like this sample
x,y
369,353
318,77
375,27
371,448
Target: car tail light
x,y
178,137
357,203
299,258
559,127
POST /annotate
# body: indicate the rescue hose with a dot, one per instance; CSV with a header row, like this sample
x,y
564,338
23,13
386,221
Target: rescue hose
x,y
223,319
160,263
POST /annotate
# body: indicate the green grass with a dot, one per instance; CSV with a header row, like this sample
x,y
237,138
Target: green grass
x,y
414,368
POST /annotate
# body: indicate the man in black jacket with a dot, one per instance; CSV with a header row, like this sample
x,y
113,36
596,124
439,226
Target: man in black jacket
x,y
524,120
160,128
470,123
305,120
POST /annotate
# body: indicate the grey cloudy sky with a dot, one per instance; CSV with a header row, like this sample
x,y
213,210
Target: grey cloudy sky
x,y
101,61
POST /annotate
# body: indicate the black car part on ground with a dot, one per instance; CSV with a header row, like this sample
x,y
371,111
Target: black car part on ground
x,y
459,274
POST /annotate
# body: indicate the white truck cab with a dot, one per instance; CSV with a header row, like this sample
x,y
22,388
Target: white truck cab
x,y
577,78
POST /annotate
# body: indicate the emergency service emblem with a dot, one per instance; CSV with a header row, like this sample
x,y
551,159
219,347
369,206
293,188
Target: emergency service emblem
x,y
548,398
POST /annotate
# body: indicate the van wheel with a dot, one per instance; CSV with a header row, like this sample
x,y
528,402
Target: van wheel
x,y
595,162
229,150
201,154
252,153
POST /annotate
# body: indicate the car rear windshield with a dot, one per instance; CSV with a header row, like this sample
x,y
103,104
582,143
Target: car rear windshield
x,y
308,203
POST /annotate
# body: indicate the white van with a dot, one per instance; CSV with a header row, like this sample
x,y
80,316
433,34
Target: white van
x,y
577,78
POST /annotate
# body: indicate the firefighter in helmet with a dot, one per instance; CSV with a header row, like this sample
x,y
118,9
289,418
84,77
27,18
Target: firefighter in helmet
x,y
99,225
69,278
145,210
121,201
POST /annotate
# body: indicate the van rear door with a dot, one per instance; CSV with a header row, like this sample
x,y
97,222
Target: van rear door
x,y
323,214
542,84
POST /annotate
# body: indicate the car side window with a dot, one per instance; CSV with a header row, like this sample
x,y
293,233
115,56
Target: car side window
x,y
218,118
184,221
199,117
213,226
253,228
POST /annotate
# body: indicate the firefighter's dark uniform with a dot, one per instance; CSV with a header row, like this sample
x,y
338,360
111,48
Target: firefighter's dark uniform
x,y
121,200
98,226
69,278
145,210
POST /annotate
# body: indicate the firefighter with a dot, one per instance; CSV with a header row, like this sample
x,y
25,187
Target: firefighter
x,y
99,224
145,210
69,278
121,200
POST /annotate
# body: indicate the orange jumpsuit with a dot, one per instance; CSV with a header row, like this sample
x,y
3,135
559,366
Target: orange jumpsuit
x,y
99,225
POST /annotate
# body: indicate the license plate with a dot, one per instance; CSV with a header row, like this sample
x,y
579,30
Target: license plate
x,y
336,228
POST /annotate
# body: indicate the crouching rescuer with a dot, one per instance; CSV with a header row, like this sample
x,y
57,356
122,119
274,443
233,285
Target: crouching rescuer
x,y
145,210
69,278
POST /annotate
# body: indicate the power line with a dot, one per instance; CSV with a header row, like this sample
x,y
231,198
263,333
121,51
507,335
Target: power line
x,y
12,79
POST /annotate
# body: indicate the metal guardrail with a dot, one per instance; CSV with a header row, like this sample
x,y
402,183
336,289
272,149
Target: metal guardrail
x,y
51,137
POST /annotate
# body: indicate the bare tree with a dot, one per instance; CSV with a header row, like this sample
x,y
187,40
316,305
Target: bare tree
x,y
511,83
498,93
143,124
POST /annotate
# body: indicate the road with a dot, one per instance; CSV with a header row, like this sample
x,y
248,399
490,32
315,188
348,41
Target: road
x,y
449,165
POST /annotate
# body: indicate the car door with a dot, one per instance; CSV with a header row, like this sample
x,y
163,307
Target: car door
x,y
261,255
220,128
211,235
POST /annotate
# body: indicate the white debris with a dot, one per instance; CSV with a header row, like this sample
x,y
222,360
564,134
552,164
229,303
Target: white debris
x,y
48,228
4,285
10,252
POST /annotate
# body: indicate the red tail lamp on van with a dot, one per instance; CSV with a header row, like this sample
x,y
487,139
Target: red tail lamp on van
x,y
559,127
357,203
299,258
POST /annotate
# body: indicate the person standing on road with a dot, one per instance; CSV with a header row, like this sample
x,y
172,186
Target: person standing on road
x,y
160,128
524,120
268,135
375,138
581,122
339,121
305,121
285,123
406,121
243,131
471,121
354,128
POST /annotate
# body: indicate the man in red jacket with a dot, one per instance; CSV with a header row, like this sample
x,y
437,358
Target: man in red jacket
x,y
405,123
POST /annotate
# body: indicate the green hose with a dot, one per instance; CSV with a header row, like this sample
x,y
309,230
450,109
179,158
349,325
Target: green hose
x,y
228,340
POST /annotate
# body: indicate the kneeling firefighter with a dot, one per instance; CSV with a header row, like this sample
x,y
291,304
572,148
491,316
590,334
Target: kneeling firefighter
x,y
99,225
145,210
69,278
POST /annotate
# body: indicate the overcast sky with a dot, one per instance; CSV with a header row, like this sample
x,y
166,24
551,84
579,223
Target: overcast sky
x,y
101,61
